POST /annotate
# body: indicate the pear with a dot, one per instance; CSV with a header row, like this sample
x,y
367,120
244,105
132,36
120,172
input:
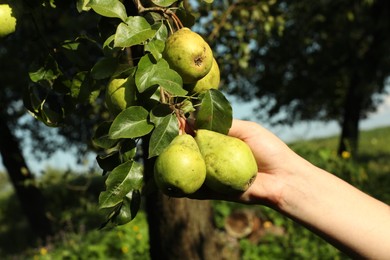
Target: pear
x,y
120,94
7,20
211,80
230,164
188,54
180,169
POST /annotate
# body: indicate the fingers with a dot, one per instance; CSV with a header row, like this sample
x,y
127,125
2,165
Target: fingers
x,y
205,193
241,129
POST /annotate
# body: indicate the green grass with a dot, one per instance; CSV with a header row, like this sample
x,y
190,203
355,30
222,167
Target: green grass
x,y
373,160
76,215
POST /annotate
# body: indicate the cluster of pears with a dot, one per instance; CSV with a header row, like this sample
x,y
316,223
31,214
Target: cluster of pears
x,y
188,54
192,58
223,163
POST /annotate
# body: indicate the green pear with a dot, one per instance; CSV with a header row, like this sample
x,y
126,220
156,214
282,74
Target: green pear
x,y
230,164
180,169
211,80
7,20
120,94
188,54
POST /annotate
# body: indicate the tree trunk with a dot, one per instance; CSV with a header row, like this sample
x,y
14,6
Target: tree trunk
x,y
350,122
30,197
181,228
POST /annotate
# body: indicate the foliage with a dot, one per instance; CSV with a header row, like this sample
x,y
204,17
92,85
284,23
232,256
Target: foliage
x,y
36,35
334,45
129,45
296,242
311,61
76,219
125,242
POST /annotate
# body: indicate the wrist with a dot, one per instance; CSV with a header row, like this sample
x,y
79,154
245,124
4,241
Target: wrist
x,y
279,187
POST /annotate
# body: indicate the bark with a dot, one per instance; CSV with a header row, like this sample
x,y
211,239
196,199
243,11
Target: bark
x,y
30,197
350,121
180,228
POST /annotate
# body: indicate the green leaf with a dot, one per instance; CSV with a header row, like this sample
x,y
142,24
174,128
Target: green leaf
x,y
133,200
46,74
108,46
130,123
82,5
45,105
124,178
164,3
109,8
150,74
161,31
104,68
155,47
129,208
215,112
108,162
79,51
30,101
157,44
159,112
128,149
101,137
124,71
50,117
186,17
135,31
83,88
163,135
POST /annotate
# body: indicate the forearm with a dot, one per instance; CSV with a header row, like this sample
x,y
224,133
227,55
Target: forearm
x,y
353,221
340,213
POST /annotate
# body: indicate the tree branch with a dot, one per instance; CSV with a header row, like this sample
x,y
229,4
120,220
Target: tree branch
x,y
166,12
224,18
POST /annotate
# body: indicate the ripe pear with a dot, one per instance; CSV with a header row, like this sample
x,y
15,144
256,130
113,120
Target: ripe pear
x,y
120,94
188,54
211,80
180,169
230,164
7,20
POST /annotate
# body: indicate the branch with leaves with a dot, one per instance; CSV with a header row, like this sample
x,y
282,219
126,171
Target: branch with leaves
x,y
159,108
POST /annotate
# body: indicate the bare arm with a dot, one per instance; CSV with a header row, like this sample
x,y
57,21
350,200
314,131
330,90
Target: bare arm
x,y
343,215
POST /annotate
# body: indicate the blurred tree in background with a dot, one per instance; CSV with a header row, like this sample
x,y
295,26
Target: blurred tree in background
x,y
39,28
320,60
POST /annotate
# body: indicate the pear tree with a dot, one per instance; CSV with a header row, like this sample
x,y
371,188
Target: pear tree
x,y
149,57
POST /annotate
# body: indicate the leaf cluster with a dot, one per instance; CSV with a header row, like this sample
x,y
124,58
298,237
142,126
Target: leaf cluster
x,y
131,49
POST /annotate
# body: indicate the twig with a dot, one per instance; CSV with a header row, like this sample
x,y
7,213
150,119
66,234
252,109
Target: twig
x,y
224,18
167,13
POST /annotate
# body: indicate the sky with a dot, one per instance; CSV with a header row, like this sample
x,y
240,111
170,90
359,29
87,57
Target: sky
x,y
301,131
310,130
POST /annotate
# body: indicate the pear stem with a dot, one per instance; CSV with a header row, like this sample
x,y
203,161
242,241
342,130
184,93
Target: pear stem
x,y
177,21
